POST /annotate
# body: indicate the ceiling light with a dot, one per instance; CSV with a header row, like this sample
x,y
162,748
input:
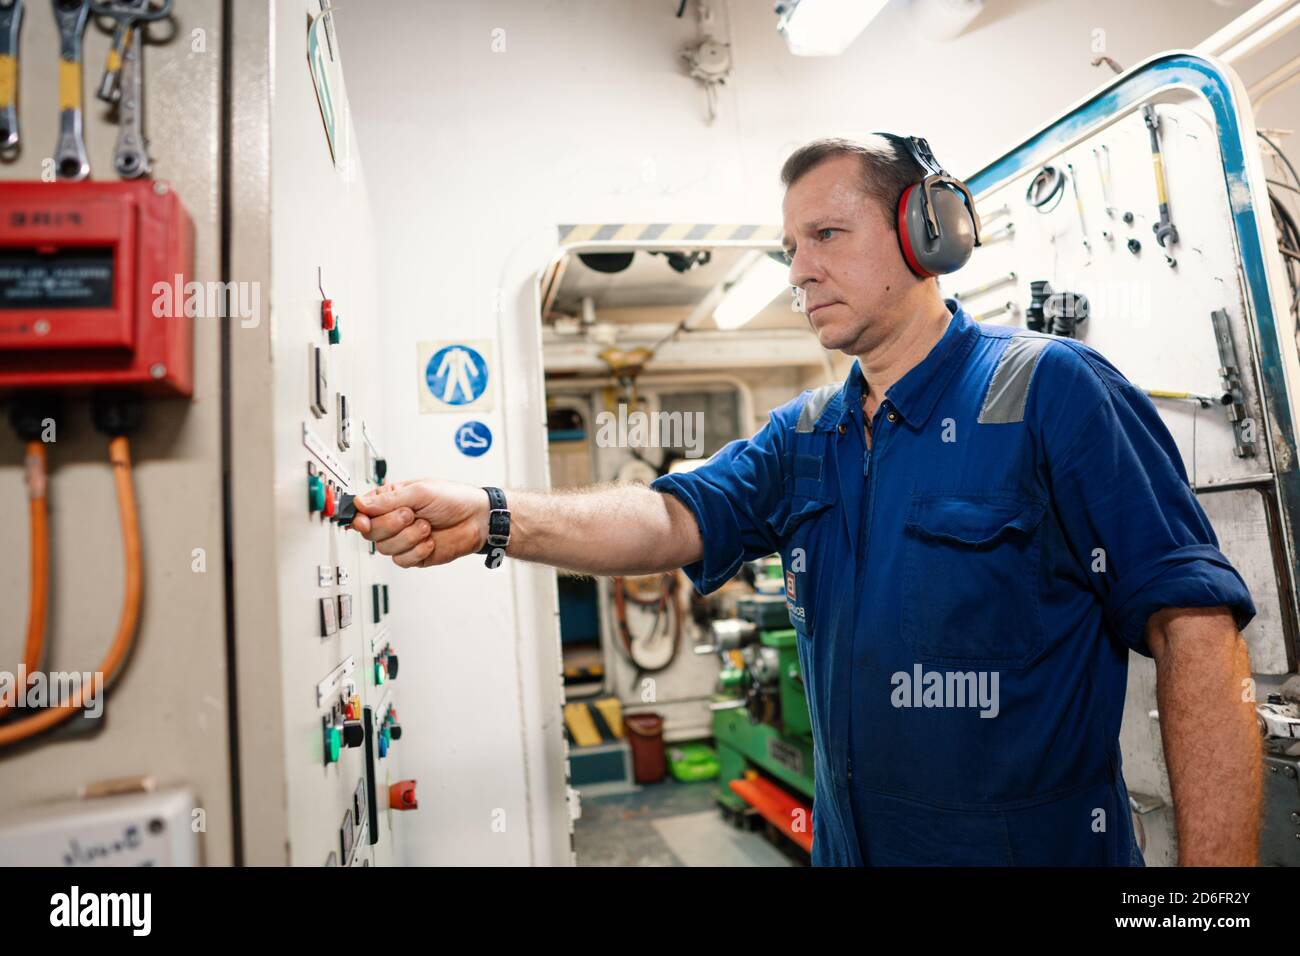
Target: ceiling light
x,y
824,27
751,293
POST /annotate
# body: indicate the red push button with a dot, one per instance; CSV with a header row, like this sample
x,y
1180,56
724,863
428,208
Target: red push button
x,y
329,500
401,795
327,315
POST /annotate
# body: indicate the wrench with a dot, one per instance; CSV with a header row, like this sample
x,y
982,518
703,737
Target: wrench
x,y
11,21
1165,232
130,157
70,161
127,13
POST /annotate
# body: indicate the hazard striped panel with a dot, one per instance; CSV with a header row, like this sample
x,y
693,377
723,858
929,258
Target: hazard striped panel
x,y
590,723
666,232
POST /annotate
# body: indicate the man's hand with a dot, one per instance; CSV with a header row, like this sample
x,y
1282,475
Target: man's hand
x,y
423,523
1211,737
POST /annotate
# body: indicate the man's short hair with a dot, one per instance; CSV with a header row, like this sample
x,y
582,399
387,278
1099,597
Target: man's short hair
x,y
886,166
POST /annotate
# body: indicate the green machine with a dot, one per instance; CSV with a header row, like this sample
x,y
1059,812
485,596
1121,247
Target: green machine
x,y
760,713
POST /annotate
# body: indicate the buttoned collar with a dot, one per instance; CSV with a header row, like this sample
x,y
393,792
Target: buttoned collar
x,y
915,394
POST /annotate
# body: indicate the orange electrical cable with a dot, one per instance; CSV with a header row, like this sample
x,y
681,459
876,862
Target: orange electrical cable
x,y
120,457
39,580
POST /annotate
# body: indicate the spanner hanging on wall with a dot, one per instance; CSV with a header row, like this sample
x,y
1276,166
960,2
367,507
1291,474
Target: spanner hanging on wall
x,y
130,156
70,161
127,14
11,21
1165,232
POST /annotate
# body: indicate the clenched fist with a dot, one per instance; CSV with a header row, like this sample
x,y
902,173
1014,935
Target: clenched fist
x,y
423,523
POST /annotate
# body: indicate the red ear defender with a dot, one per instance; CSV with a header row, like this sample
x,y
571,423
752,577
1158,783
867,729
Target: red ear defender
x,y
905,238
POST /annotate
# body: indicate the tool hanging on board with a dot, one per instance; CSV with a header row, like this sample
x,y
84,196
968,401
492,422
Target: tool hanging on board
x,y
128,14
1166,233
1078,204
1057,313
1204,401
11,23
70,161
1047,185
989,286
1103,170
130,155
1007,307
1230,370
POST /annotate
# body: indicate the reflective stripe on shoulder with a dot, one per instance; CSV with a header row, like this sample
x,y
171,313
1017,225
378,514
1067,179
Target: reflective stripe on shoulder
x,y
1004,403
815,405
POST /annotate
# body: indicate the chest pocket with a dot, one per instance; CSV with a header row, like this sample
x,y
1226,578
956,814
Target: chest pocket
x,y
971,578
801,530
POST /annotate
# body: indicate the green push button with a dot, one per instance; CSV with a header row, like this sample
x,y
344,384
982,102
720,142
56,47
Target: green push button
x,y
333,744
315,493
334,332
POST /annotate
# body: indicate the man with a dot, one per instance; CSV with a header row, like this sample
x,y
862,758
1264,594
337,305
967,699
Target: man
x,y
976,528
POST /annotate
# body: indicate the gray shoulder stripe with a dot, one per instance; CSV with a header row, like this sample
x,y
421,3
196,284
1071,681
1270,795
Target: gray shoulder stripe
x,y
815,405
1004,403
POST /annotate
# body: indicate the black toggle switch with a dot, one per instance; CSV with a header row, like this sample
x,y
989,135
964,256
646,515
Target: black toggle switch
x,y
354,734
345,509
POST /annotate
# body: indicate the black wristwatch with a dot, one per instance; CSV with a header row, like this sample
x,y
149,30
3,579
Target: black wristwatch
x,y
498,536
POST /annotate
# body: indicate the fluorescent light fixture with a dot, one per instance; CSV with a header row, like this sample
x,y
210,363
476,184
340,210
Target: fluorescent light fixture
x,y
824,27
752,293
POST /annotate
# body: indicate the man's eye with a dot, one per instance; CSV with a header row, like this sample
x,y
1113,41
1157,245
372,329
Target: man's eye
x,y
827,229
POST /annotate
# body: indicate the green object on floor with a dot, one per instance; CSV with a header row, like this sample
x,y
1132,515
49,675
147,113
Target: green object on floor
x,y
764,725
691,762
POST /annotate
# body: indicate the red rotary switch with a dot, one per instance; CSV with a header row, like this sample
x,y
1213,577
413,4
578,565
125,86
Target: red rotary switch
x,y
327,315
401,795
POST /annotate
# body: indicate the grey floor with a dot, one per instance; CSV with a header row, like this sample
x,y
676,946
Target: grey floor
x,y
665,824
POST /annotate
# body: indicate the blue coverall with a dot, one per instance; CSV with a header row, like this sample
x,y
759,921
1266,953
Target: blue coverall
x,y
966,592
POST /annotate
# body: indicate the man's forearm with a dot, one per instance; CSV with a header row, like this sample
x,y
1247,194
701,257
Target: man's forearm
x,y
614,529
1211,740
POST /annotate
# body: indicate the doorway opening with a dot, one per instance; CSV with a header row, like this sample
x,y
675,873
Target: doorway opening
x,y
656,354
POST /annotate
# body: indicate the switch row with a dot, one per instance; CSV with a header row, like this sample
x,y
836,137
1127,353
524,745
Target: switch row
x,y
335,614
342,726
389,731
385,665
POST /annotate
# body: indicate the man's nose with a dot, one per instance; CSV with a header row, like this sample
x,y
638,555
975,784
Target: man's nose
x,y
803,270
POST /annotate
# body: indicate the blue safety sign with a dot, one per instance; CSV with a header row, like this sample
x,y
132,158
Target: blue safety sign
x,y
473,439
456,375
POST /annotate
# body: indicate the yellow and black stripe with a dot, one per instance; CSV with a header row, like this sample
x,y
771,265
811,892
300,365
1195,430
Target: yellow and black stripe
x,y
686,232
594,722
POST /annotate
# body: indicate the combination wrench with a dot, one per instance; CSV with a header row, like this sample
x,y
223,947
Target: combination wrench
x,y
70,161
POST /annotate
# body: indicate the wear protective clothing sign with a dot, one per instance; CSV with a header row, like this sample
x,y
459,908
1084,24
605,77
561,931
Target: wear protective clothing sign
x,y
455,376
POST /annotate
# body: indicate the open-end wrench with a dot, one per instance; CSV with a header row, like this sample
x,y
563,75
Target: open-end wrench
x,y
70,161
127,14
1165,232
11,21
130,157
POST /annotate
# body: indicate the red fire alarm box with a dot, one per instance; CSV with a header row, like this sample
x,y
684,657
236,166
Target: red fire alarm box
x,y
93,287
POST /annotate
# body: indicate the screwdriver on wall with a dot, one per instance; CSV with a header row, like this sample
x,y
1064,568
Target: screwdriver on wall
x,y
11,21
70,161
